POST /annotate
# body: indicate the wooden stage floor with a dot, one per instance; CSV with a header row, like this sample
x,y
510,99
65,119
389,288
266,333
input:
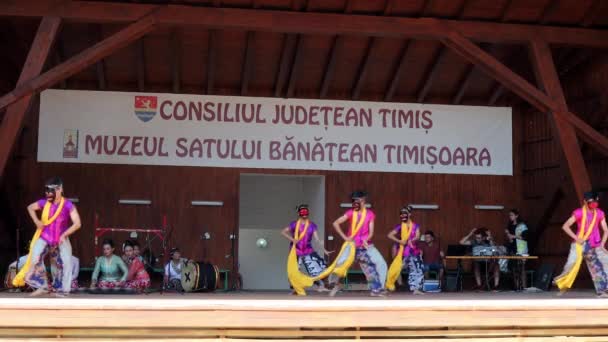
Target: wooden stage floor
x,y
505,316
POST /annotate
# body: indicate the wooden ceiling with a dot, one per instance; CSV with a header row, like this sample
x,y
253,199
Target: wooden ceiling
x,y
191,59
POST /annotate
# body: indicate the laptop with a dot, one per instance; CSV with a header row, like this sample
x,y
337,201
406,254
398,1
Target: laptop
x,y
457,250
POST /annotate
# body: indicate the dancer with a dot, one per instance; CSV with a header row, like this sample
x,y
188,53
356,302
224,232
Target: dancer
x,y
588,244
53,229
301,232
360,233
408,253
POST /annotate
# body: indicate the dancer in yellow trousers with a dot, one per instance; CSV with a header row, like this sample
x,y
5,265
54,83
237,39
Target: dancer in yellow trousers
x,y
588,244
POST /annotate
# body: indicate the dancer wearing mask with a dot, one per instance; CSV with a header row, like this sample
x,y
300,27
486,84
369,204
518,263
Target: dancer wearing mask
x,y
53,230
406,235
301,233
588,244
360,234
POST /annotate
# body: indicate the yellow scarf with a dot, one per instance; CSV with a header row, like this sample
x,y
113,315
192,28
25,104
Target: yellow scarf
x,y
300,281
565,282
395,269
19,279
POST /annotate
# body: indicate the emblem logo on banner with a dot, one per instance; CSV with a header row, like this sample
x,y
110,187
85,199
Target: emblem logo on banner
x,y
145,107
70,143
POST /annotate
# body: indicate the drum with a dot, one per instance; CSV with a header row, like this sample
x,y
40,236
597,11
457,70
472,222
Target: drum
x,y
199,276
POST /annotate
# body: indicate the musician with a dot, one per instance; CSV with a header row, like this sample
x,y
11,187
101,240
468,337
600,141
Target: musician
x,y
110,270
433,257
482,243
516,235
173,271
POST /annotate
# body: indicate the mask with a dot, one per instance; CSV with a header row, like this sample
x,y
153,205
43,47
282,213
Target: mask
x,y
593,205
49,192
404,217
303,212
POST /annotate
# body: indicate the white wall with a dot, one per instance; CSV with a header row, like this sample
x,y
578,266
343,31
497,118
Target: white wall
x,y
267,205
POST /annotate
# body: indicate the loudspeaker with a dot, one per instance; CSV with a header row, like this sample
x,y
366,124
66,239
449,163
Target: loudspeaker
x,y
452,282
544,276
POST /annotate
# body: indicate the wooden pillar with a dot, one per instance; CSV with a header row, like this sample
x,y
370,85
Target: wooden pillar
x,y
548,80
15,113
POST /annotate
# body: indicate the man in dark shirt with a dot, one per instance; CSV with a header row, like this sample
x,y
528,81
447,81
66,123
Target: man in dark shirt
x,y
482,242
432,255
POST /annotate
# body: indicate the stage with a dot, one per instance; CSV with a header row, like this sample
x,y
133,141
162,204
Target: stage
x,y
277,315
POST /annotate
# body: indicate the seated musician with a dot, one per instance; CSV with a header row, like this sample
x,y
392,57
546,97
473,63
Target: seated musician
x,y
480,239
137,250
433,258
110,271
173,271
137,278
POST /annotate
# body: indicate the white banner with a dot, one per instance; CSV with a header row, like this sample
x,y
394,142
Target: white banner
x,y
249,132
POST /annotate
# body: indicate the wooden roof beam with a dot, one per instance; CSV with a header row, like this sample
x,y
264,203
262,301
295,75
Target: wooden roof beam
x,y
307,23
295,67
175,47
515,83
464,84
289,55
548,80
12,122
336,44
363,67
211,51
100,68
392,87
140,64
247,62
58,56
591,13
431,74
82,60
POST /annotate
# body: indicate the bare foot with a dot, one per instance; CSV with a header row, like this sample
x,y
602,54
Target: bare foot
x,y
39,292
334,291
418,293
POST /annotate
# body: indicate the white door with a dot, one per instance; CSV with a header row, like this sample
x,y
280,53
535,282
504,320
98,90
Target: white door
x,y
267,205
